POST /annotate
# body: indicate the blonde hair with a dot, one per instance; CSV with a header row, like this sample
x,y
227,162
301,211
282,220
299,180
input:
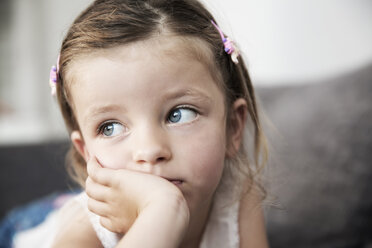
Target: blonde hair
x,y
110,23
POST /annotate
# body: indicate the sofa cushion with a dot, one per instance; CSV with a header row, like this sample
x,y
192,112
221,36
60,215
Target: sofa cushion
x,y
31,171
321,166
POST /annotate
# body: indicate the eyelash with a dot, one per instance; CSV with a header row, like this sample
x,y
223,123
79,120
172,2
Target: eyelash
x,y
185,107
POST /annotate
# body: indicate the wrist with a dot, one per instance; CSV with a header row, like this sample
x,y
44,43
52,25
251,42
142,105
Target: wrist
x,y
171,203
164,222
170,199
174,203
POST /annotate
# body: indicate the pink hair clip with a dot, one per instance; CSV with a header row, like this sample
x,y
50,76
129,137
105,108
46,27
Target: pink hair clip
x,y
53,77
229,45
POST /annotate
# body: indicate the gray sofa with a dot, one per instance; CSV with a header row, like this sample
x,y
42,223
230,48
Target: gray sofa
x,y
321,166
319,176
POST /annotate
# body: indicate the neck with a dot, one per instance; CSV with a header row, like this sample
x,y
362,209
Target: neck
x,y
197,226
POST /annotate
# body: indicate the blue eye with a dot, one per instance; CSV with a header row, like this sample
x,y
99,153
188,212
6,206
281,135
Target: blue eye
x,y
111,129
182,115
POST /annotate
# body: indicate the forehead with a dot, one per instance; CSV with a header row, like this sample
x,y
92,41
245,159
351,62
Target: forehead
x,y
162,46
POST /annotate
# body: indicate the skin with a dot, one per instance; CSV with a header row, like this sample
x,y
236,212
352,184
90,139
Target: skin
x,y
144,141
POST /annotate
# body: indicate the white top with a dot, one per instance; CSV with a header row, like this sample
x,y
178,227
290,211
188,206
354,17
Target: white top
x,y
222,228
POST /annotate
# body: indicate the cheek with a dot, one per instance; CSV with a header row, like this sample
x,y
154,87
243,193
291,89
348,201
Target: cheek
x,y
109,156
208,159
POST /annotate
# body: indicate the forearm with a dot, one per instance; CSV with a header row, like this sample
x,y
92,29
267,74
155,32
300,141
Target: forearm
x,y
160,225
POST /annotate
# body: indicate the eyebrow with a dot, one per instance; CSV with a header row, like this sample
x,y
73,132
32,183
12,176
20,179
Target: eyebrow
x,y
195,94
94,112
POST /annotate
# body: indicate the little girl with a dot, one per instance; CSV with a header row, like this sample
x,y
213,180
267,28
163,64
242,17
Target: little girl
x,y
156,100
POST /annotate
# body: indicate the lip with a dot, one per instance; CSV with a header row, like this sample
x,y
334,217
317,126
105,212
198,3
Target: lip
x,y
176,182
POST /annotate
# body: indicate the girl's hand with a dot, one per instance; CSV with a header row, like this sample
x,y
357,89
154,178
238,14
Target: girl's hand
x,y
120,196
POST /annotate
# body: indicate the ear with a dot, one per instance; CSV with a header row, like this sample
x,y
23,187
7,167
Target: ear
x,y
79,144
237,122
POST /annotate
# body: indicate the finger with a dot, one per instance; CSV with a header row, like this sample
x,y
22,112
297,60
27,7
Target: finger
x,y
96,191
97,173
107,223
92,165
113,225
98,207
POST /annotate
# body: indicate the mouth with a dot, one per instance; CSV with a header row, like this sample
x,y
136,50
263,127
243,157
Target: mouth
x,y
176,182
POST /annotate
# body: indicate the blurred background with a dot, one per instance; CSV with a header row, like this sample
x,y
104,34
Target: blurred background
x,y
286,42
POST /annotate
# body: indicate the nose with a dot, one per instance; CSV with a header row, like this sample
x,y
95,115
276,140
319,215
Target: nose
x,y
150,146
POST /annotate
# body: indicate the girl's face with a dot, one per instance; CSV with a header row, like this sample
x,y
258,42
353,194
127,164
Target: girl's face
x,y
148,108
